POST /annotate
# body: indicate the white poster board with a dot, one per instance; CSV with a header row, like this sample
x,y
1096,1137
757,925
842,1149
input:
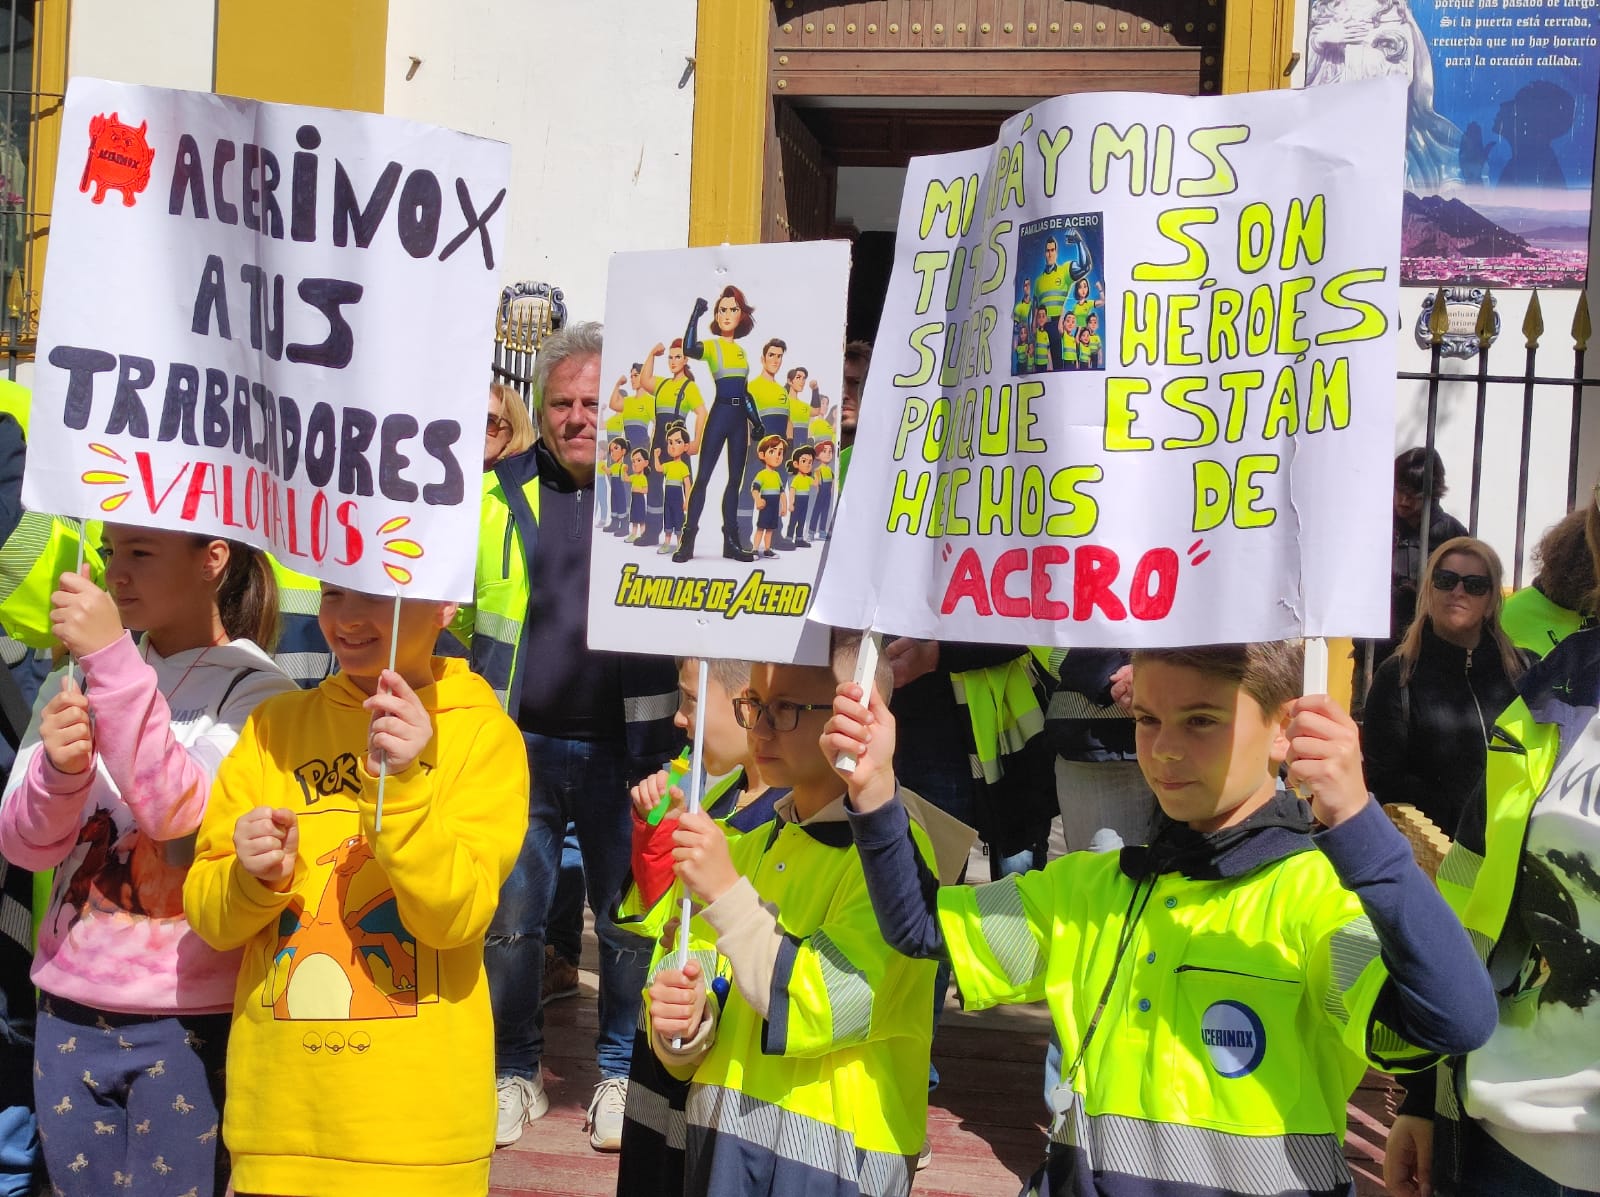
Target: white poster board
x,y
647,591
271,323
1134,382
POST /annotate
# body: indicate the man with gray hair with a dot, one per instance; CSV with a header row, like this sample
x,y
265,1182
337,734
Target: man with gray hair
x,y
594,723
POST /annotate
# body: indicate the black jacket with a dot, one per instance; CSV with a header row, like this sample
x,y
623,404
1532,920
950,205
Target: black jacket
x,y
1425,742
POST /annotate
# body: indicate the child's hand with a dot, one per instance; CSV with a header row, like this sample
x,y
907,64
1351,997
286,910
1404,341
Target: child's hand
x,y
866,733
700,857
677,1002
65,730
266,840
82,616
1408,1157
760,503
648,793
400,727
1325,759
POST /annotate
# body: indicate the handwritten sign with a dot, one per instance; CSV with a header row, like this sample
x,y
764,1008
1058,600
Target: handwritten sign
x,y
715,481
1134,381
271,323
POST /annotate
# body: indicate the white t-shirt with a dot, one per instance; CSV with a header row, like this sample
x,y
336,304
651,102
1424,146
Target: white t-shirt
x,y
1535,1085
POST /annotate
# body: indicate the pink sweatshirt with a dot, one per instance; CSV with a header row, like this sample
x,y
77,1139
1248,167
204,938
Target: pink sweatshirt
x,y
121,834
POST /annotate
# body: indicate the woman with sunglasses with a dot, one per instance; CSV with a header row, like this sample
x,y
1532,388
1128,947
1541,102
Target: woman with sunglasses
x,y
1433,704
509,429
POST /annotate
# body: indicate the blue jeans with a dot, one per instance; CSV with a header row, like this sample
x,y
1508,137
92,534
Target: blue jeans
x,y
583,783
565,932
1486,1169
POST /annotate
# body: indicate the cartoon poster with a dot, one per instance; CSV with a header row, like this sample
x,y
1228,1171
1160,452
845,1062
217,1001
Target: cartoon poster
x,y
1500,121
715,477
271,323
1134,381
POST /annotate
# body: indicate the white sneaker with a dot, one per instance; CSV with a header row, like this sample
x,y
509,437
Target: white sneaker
x,y
605,1113
521,1101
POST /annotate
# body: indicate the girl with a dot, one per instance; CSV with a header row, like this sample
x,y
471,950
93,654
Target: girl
x,y
824,480
772,502
640,482
801,462
617,450
675,480
108,789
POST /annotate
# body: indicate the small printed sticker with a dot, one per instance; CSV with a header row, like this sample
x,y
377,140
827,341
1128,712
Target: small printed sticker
x,y
1233,1037
119,159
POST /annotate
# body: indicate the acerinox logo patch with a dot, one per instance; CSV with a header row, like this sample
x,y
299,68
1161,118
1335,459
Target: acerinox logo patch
x,y
1233,1037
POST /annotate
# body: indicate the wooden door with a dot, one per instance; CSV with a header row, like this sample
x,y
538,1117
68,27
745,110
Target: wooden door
x,y
799,185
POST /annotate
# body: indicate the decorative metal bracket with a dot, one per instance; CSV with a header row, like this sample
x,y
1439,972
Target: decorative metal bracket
x,y
1464,332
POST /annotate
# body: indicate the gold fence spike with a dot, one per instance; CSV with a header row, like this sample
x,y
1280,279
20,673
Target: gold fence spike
x,y
1484,328
14,295
1582,329
1533,322
1438,319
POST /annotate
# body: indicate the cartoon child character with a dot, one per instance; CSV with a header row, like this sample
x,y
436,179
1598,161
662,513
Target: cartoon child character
x,y
617,482
640,481
1082,306
801,464
675,482
823,476
1090,346
772,501
1069,340
1043,354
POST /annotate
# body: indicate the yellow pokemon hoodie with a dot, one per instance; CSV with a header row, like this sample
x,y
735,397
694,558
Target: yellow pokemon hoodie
x,y
361,1058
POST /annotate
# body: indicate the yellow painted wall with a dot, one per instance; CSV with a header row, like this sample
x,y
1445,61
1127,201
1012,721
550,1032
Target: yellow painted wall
x,y
1256,44
730,121
330,53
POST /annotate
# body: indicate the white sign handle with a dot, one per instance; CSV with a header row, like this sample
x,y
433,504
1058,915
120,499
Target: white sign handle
x,y
1316,666
696,782
383,765
866,670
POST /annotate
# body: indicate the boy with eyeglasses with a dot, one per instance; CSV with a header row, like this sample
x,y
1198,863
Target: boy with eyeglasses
x,y
810,1073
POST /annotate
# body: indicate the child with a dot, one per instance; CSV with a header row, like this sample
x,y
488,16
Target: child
x,y
1089,344
824,480
675,481
811,1074
362,1055
617,451
108,789
1071,354
737,798
801,463
772,501
1220,993
1043,358
640,482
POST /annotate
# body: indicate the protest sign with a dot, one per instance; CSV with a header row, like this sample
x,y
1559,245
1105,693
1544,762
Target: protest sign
x,y
271,323
1500,121
1134,380
715,482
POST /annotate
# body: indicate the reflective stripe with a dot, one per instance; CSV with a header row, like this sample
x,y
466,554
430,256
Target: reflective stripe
x,y
1004,925
849,992
801,1140
1481,943
23,547
706,958
1460,866
297,600
1350,949
1260,1166
1444,1099
495,626
305,669
16,922
654,1111
647,708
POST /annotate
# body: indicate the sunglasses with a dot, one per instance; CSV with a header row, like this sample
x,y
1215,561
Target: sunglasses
x,y
1476,585
497,425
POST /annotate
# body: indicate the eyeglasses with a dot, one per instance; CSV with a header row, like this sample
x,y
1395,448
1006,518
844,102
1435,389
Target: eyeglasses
x,y
781,716
1446,580
496,425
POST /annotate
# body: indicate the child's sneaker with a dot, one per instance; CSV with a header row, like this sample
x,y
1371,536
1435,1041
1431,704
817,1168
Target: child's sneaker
x,y
560,977
521,1101
605,1113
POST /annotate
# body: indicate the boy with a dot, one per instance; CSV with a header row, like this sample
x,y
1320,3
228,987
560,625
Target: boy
x,y
1219,993
819,1050
361,1058
737,798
